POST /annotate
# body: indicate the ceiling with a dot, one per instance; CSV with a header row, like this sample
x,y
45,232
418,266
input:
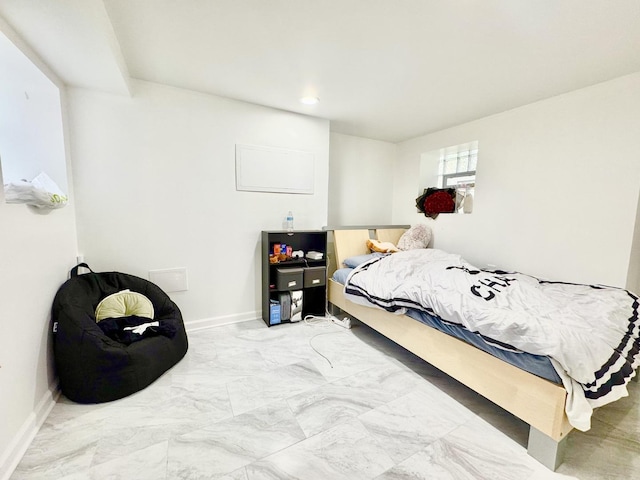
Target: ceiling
x,y
383,69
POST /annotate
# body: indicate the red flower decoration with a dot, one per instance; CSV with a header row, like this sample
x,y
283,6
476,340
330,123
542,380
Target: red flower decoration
x,y
439,202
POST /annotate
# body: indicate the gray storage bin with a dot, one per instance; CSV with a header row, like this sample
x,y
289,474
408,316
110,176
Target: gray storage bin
x,y
289,278
315,276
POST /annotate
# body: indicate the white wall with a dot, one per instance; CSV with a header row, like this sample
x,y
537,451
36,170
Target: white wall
x,y
37,249
155,183
557,185
360,180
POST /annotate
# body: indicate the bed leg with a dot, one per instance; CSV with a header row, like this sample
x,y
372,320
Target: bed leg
x,y
545,449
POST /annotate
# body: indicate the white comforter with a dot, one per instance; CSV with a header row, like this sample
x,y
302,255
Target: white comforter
x,y
590,333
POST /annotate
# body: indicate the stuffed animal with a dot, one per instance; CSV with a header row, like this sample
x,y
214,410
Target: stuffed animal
x,y
382,247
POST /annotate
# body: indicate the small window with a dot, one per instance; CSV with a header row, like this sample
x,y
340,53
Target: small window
x,y
457,167
451,167
31,128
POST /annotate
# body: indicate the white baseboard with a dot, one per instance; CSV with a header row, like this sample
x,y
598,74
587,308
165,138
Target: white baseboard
x,y
193,325
11,457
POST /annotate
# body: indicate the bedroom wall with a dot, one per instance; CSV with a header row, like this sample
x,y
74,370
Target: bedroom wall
x,y
37,249
557,185
360,180
155,183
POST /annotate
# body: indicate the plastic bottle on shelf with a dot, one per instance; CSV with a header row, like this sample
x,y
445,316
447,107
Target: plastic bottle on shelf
x,y
290,222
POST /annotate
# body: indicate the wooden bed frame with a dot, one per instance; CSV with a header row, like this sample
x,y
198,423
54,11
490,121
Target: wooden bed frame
x,y
537,401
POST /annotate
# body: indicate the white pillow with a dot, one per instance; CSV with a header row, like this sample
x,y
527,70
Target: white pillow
x,y
417,236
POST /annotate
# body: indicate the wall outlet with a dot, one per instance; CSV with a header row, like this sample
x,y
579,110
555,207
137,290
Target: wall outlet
x,y
170,279
80,259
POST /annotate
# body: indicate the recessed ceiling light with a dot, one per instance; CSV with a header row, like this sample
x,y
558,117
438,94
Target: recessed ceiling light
x,y
309,100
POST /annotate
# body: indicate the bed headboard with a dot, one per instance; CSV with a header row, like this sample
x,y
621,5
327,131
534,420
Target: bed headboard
x,y
349,243
352,242
390,234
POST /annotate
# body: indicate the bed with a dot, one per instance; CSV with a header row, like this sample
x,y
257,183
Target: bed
x,y
537,401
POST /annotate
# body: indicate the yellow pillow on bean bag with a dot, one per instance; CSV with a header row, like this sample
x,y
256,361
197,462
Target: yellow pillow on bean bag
x,y
124,304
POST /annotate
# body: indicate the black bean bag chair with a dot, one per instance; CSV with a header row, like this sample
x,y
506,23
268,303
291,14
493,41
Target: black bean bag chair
x,y
94,368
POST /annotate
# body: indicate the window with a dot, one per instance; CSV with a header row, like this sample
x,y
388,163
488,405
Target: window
x,y
457,167
31,129
451,167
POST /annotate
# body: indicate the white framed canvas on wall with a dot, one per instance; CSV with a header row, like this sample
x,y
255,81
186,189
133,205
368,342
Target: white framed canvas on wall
x,y
271,169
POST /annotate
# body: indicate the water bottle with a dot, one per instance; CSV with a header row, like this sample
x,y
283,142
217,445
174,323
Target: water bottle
x,y
290,222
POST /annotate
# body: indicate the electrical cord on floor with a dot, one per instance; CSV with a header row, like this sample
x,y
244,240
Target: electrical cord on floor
x,y
320,321
316,350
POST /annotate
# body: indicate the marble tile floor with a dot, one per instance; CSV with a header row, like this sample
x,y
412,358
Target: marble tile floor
x,y
255,403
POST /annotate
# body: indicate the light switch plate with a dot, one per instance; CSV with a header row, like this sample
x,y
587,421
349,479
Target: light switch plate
x,y
170,279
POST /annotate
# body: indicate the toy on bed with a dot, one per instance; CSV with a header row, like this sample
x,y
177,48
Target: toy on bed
x,y
381,247
418,236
